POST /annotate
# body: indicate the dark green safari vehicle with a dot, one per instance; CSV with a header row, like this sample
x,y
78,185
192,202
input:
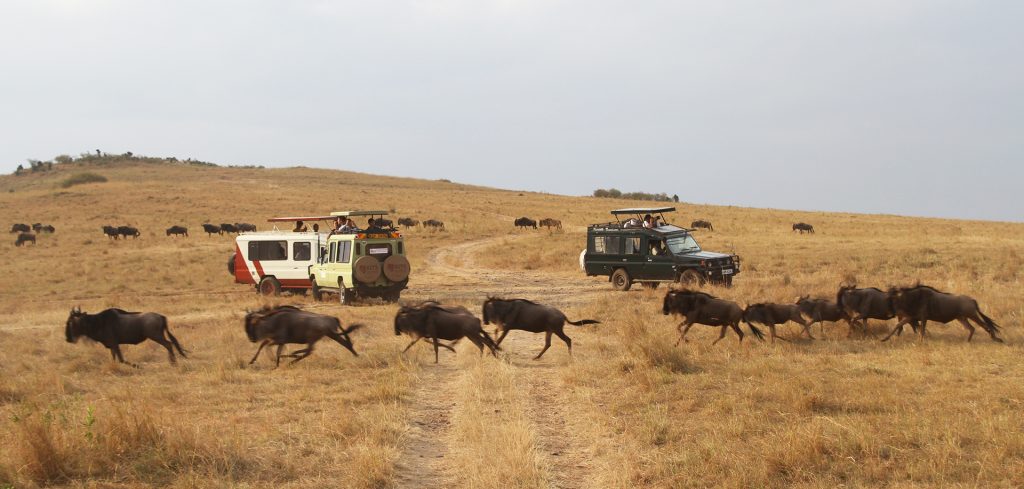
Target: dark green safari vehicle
x,y
632,249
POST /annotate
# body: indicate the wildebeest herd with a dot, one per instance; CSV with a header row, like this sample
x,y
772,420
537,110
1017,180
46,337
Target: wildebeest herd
x,y
27,234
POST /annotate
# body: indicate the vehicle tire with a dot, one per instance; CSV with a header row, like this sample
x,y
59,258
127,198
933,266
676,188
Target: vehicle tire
x,y
318,294
231,264
650,285
691,278
345,296
621,280
269,286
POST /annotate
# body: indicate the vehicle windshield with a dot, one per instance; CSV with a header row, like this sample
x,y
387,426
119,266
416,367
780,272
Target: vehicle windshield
x,y
682,244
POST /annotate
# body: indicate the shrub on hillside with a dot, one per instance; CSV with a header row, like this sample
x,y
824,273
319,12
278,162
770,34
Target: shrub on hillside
x,y
80,178
614,193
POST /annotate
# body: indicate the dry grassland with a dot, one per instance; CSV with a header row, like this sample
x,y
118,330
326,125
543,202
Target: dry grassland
x,y
626,410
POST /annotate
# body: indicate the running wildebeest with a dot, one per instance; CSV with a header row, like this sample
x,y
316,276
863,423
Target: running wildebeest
x,y
821,310
803,227
706,309
524,315
25,238
526,222
702,224
551,223
435,322
245,227
126,231
434,224
212,229
408,222
228,228
770,315
864,304
282,325
114,327
111,232
20,228
177,231
919,304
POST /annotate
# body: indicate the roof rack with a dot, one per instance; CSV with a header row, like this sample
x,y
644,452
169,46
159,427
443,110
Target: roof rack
x,y
358,213
300,218
643,210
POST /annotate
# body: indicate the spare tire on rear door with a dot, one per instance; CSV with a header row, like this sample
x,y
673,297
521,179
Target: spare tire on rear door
x,y
231,264
396,268
366,270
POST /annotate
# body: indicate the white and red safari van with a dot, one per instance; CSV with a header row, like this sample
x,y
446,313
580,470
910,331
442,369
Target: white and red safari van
x,y
277,260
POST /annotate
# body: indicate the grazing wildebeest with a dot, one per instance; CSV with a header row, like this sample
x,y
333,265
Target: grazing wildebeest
x,y
821,310
282,325
20,228
228,228
863,304
526,222
803,227
706,309
25,238
770,315
111,232
435,322
408,222
177,231
126,231
212,229
433,224
551,223
114,327
245,227
524,315
384,223
919,304
36,226
702,224
47,228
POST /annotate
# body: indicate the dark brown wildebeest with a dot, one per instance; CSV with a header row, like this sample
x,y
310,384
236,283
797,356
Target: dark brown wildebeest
x,y
36,226
706,309
551,223
20,228
435,322
177,231
114,327
524,315
433,224
770,315
526,222
25,238
111,232
126,231
864,304
383,223
821,310
803,227
919,304
228,228
212,229
282,325
702,224
245,227
408,222
47,228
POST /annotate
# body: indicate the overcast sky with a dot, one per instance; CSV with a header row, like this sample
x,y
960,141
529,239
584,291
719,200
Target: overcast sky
x,y
904,107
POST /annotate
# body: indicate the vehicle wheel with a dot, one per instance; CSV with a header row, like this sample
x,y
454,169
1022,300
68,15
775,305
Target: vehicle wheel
x,y
621,280
650,285
345,296
318,295
393,296
691,278
270,286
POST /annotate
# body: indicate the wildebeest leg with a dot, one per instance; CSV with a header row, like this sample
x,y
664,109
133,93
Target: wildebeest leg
x,y
566,339
277,357
899,328
473,339
969,327
806,326
547,344
502,337
725,328
258,350
682,334
977,317
736,328
924,327
435,350
166,344
410,344
305,353
116,351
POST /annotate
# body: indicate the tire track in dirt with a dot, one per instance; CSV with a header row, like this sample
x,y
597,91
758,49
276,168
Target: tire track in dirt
x,y
422,462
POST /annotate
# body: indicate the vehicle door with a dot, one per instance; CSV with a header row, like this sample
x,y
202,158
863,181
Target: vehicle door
x,y
604,254
301,258
658,261
341,264
633,256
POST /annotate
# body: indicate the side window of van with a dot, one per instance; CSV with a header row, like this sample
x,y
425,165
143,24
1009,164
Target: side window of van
x,y
346,252
333,253
302,251
268,250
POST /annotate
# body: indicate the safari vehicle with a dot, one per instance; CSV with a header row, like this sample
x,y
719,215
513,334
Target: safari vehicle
x,y
626,252
361,263
276,261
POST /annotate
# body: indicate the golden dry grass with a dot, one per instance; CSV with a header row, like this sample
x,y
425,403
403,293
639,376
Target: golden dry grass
x,y
628,410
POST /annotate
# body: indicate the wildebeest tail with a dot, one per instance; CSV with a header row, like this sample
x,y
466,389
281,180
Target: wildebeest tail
x,y
989,322
583,322
489,342
174,341
755,331
352,327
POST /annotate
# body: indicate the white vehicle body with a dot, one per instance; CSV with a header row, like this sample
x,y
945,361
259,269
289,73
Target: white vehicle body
x,y
276,260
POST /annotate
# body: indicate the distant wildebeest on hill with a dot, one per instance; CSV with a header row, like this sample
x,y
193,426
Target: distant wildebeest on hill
x,y
436,322
551,223
771,315
25,238
245,227
864,304
706,309
212,229
433,224
821,310
525,315
126,231
803,227
111,232
919,304
288,324
702,224
177,231
228,228
408,222
114,327
20,228
526,222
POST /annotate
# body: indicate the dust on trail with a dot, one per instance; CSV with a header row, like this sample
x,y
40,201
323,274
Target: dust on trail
x,y
455,277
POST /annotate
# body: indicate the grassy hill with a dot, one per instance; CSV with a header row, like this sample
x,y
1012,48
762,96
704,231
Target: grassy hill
x,y
627,409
